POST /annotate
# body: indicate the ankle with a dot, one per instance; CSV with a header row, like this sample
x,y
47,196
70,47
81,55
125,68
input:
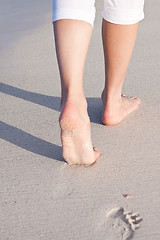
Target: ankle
x,y
110,100
74,97
75,108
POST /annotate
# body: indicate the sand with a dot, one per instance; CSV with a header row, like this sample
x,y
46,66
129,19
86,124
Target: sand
x,y
42,197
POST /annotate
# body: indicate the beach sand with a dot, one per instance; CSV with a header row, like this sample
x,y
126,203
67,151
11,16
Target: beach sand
x,y
42,197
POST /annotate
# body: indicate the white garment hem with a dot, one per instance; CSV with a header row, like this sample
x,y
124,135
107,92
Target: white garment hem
x,y
122,16
75,14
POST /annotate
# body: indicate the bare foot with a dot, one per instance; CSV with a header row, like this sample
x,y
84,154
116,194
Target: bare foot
x,y
114,114
76,135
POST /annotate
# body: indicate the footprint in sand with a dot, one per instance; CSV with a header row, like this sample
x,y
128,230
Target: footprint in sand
x,y
124,222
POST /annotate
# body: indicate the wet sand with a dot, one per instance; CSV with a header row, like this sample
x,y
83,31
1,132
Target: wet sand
x,y
41,197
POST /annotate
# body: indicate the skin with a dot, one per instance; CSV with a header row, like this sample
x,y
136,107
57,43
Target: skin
x,y
72,38
118,44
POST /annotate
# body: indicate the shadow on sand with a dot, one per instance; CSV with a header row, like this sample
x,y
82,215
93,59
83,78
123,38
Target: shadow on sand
x,y
94,104
29,142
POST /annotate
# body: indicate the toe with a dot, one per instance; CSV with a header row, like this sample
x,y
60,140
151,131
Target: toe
x,y
136,99
96,155
96,152
139,100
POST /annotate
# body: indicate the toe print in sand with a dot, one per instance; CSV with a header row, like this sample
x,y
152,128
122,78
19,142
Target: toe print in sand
x,y
124,222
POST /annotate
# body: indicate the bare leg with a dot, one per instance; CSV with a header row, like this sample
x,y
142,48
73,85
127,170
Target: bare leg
x,y
118,44
72,38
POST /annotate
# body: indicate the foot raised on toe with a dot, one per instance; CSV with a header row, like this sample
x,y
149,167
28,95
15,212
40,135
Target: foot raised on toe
x,y
114,112
76,135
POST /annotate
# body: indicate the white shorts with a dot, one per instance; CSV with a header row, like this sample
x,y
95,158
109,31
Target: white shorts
x,y
123,12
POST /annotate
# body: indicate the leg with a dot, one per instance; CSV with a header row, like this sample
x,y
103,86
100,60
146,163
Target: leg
x,y
118,44
72,39
119,29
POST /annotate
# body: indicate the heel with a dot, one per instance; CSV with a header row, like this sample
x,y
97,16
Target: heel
x,y
68,127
